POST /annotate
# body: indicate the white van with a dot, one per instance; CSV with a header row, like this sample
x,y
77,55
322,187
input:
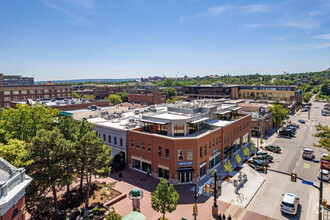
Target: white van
x,y
325,175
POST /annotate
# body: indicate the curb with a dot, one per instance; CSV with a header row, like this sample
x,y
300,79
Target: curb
x,y
255,193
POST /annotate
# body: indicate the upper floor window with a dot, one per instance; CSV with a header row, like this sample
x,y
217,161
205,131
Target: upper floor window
x,y
167,153
132,143
6,92
115,140
160,153
149,148
162,129
137,144
189,154
39,91
205,150
201,152
46,91
142,146
24,92
16,92
147,126
121,142
109,139
180,155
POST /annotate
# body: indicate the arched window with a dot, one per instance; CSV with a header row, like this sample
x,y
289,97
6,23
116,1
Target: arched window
x,y
15,212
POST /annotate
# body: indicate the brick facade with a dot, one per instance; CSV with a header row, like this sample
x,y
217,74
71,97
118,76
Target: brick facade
x,y
21,210
150,98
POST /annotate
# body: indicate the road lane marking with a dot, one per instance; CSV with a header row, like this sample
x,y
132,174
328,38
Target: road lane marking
x,y
307,166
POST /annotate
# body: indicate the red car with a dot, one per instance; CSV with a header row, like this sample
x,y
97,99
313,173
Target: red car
x,y
325,164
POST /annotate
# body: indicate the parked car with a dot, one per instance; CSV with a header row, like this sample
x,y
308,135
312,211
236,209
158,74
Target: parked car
x,y
290,203
255,164
273,148
294,125
304,110
325,175
302,121
286,133
264,158
307,154
291,128
261,153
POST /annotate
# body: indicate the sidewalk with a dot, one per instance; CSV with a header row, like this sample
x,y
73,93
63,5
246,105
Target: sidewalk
x,y
131,179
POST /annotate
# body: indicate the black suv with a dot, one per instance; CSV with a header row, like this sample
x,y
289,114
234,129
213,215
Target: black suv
x,y
287,133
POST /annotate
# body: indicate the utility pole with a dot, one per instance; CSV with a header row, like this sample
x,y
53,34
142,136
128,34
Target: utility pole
x,y
195,204
321,192
258,131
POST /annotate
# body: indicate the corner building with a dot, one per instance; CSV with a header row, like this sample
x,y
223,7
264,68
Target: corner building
x,y
188,141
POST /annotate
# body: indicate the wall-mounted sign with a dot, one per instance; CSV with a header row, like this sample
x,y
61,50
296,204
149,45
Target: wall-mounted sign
x,y
186,163
215,150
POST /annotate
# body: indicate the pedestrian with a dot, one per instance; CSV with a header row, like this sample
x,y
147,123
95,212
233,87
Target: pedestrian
x,y
229,217
219,217
224,216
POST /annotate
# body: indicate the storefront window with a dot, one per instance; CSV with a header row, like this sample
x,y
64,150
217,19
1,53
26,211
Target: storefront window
x,y
180,155
237,144
202,169
163,173
145,166
136,164
178,130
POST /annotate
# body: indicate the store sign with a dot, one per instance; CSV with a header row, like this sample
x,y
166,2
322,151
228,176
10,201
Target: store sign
x,y
186,163
215,151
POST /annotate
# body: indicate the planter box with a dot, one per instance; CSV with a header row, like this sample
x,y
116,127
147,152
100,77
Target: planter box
x,y
114,200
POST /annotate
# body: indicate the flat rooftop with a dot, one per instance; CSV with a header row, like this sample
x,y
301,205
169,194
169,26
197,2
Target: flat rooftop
x,y
171,116
219,123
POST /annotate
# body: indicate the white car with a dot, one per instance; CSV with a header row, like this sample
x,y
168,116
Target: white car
x,y
325,175
290,203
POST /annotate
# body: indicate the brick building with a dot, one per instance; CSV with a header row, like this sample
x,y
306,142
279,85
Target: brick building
x,y
188,141
19,93
216,90
13,182
150,98
15,80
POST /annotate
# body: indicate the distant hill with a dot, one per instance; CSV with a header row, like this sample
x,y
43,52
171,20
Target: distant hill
x,y
87,80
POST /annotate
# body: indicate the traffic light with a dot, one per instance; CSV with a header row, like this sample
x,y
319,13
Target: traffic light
x,y
195,209
293,177
265,169
207,188
324,203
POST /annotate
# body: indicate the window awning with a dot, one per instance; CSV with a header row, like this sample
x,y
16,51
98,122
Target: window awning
x,y
114,152
198,120
222,113
155,121
186,170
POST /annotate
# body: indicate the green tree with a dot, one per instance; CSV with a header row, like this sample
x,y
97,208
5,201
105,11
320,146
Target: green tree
x,y
15,152
114,99
24,122
253,146
246,152
325,88
88,97
165,198
123,96
261,139
75,95
47,150
94,157
323,132
238,159
307,96
228,167
170,92
69,128
279,113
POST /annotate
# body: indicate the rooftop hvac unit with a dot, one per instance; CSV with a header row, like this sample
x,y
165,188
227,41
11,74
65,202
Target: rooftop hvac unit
x,y
131,120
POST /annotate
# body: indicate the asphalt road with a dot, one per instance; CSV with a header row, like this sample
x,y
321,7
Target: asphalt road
x,y
267,200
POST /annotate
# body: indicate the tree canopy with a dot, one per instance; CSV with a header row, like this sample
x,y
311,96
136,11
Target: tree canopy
x,y
165,198
114,99
279,113
323,132
170,92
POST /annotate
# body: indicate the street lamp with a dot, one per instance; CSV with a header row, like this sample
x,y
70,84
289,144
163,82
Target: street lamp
x,y
321,191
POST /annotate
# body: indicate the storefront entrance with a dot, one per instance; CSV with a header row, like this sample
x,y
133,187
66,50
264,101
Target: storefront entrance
x,y
185,174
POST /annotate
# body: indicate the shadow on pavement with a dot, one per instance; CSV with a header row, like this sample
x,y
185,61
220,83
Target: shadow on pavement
x,y
297,216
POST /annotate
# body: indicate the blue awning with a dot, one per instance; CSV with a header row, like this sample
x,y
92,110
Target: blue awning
x,y
186,170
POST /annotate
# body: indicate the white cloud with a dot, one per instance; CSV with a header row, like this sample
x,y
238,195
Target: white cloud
x,y
302,24
218,10
73,18
81,3
320,46
323,36
252,26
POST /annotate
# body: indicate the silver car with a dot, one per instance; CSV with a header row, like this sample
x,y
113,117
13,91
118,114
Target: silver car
x,y
290,203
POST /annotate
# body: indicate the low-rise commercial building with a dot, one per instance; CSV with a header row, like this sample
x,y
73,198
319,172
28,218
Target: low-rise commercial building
x,y
148,98
187,141
13,182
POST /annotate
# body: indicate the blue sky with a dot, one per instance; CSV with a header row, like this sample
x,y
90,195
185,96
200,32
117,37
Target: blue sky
x,y
74,39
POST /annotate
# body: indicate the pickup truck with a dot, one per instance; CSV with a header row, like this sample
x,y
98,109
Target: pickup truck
x,y
307,154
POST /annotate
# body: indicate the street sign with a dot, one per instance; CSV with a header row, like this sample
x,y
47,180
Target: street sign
x,y
307,182
200,191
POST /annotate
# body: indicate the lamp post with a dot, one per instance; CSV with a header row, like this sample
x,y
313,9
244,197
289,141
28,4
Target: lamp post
x,y
215,206
195,203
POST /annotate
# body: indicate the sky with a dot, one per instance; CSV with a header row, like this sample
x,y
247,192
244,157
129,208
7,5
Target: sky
x,y
81,39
